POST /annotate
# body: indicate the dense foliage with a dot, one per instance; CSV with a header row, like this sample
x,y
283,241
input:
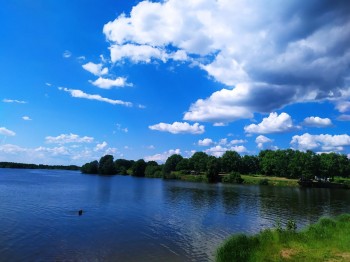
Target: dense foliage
x,y
280,163
34,166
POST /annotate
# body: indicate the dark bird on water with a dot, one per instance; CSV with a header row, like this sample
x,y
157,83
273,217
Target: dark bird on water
x,y
80,212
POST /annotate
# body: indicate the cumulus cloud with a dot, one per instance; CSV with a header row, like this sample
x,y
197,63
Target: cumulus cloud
x,y
26,118
47,155
205,142
324,142
219,150
106,83
96,69
179,128
101,146
267,57
343,106
274,123
68,138
261,140
13,101
238,141
161,158
317,121
6,132
80,94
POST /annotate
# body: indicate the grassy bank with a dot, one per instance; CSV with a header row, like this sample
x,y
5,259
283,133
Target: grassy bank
x,y
327,240
273,181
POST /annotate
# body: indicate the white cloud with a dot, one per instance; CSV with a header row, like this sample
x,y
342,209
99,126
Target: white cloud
x,y
6,132
13,101
219,150
324,142
223,141
137,53
343,118
80,94
26,118
53,151
343,106
317,121
205,142
161,158
68,138
101,146
274,123
106,83
96,69
67,54
179,128
11,149
261,140
275,52
238,141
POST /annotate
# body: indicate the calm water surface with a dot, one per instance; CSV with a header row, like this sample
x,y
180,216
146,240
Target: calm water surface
x,y
140,219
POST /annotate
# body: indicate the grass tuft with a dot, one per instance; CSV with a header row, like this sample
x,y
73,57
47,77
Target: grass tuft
x,y
326,240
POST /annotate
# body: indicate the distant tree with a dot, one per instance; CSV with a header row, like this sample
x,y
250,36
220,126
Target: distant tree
x,y
249,165
106,165
153,171
230,162
183,165
122,166
233,178
213,169
138,168
90,168
152,163
171,163
199,161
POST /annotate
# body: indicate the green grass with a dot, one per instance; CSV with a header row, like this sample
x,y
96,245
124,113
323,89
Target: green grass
x,y
327,240
274,181
343,180
194,178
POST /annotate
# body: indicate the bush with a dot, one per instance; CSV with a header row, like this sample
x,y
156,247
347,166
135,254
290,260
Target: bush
x,y
264,182
233,178
291,225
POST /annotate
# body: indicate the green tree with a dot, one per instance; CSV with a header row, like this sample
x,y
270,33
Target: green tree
x,y
171,163
249,165
199,161
122,166
90,168
138,168
183,165
106,165
153,171
213,169
230,162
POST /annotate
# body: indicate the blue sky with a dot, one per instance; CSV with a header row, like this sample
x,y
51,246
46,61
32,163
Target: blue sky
x,y
142,79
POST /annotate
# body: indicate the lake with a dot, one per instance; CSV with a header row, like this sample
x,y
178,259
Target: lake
x,y
139,219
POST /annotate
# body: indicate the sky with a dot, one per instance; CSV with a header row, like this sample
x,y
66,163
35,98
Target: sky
x,y
148,79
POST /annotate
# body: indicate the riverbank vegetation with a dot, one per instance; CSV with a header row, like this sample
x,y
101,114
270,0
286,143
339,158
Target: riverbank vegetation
x,y
34,166
327,240
280,167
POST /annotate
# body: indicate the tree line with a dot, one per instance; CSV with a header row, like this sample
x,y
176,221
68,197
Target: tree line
x,y
34,166
281,163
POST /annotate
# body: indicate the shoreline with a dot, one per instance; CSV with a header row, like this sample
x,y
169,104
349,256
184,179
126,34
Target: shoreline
x,y
326,240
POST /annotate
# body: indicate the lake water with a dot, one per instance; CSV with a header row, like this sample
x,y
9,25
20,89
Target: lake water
x,y
140,219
